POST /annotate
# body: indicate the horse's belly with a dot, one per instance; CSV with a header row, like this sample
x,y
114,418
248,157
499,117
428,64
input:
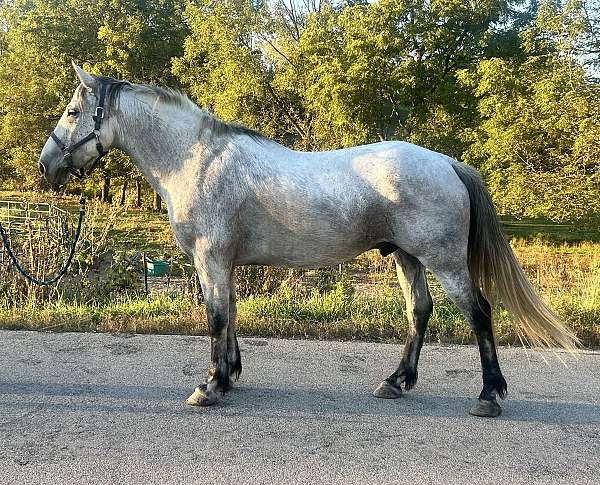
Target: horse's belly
x,y
297,259
313,250
310,229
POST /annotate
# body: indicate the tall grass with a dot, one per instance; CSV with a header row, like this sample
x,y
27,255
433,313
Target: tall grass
x,y
306,306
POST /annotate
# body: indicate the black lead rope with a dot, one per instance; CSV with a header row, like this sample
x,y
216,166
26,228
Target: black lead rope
x,y
67,264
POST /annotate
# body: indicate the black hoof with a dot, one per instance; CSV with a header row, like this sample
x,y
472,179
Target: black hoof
x,y
202,397
385,390
486,409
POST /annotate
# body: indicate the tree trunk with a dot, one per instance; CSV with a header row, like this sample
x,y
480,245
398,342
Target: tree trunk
x,y
157,202
105,195
123,193
138,192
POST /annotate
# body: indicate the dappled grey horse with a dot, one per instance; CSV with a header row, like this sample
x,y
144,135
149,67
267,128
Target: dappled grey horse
x,y
236,198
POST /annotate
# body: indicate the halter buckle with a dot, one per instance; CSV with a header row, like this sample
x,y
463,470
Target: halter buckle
x,y
99,113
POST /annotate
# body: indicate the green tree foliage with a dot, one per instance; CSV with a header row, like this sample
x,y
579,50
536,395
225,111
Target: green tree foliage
x,y
222,65
510,86
538,142
138,39
35,85
386,70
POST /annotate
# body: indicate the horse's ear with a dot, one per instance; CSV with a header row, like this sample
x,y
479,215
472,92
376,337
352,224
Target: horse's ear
x,y
86,79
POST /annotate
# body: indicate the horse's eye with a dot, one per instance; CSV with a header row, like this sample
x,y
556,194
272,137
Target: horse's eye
x,y
72,113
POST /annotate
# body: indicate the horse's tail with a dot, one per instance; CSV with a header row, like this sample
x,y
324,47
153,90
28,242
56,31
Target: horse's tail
x,y
496,271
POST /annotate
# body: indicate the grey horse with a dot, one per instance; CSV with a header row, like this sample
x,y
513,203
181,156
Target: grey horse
x,y
236,198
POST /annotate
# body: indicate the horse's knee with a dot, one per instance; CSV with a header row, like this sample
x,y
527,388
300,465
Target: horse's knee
x,y
217,321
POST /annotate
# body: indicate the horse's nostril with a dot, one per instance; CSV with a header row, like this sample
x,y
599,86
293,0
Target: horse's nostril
x,y
42,168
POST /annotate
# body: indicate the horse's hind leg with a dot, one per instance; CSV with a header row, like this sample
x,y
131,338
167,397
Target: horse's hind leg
x,y
233,348
476,309
411,275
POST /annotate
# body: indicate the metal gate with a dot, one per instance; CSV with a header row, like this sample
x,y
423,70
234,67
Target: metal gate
x,y
27,222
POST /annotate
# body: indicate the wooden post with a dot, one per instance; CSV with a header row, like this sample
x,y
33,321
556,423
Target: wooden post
x,y
157,202
145,262
123,193
105,196
138,192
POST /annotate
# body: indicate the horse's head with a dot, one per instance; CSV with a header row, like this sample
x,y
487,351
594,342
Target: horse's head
x,y
82,135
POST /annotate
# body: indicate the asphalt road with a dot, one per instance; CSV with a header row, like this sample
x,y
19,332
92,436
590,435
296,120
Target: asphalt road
x,y
91,408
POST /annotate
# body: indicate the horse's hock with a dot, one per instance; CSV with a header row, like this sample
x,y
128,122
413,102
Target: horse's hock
x,y
33,229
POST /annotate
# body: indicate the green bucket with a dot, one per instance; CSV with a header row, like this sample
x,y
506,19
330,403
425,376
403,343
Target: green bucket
x,y
157,267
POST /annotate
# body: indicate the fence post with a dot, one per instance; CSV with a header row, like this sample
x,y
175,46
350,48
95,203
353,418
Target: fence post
x,y
145,262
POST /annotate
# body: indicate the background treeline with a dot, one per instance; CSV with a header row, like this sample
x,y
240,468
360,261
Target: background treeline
x,y
510,87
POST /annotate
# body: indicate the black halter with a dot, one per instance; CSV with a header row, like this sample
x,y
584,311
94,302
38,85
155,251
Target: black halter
x,y
68,150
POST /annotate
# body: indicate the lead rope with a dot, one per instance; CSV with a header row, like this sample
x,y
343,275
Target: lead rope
x,y
64,269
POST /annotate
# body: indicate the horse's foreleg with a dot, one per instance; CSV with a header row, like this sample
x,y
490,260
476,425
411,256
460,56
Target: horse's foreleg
x,y
419,305
215,279
233,349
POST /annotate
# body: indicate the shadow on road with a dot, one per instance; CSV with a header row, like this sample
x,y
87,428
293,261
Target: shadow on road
x,y
293,403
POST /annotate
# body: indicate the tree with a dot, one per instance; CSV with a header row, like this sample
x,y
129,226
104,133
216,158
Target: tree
x,y
537,143
222,65
508,85
35,83
387,70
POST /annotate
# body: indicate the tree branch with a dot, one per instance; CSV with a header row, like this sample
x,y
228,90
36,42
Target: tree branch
x,y
264,38
281,107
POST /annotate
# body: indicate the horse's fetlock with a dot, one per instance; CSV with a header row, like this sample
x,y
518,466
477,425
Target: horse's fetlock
x,y
494,384
218,376
405,374
235,369
410,380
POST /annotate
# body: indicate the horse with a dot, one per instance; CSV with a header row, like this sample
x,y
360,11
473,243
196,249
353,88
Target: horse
x,y
236,198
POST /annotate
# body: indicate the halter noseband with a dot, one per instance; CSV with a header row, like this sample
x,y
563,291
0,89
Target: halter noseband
x,y
68,150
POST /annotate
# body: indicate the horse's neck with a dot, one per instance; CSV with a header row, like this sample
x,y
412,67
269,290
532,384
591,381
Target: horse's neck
x,y
159,142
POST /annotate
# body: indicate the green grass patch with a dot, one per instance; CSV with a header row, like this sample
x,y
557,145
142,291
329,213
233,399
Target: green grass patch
x,y
551,232
333,315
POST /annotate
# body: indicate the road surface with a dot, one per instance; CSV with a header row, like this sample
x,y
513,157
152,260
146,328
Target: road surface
x,y
93,408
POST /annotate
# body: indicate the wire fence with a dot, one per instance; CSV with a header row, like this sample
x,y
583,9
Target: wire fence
x,y
29,223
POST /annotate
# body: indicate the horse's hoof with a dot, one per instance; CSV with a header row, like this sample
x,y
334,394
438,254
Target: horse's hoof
x,y
486,409
385,390
202,397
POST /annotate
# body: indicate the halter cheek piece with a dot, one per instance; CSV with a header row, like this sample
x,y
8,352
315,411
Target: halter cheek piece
x,y
68,150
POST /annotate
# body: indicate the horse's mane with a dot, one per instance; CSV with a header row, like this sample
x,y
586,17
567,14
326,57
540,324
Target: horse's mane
x,y
178,98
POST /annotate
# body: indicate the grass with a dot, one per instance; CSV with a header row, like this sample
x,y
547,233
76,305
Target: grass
x,y
330,315
365,303
551,232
